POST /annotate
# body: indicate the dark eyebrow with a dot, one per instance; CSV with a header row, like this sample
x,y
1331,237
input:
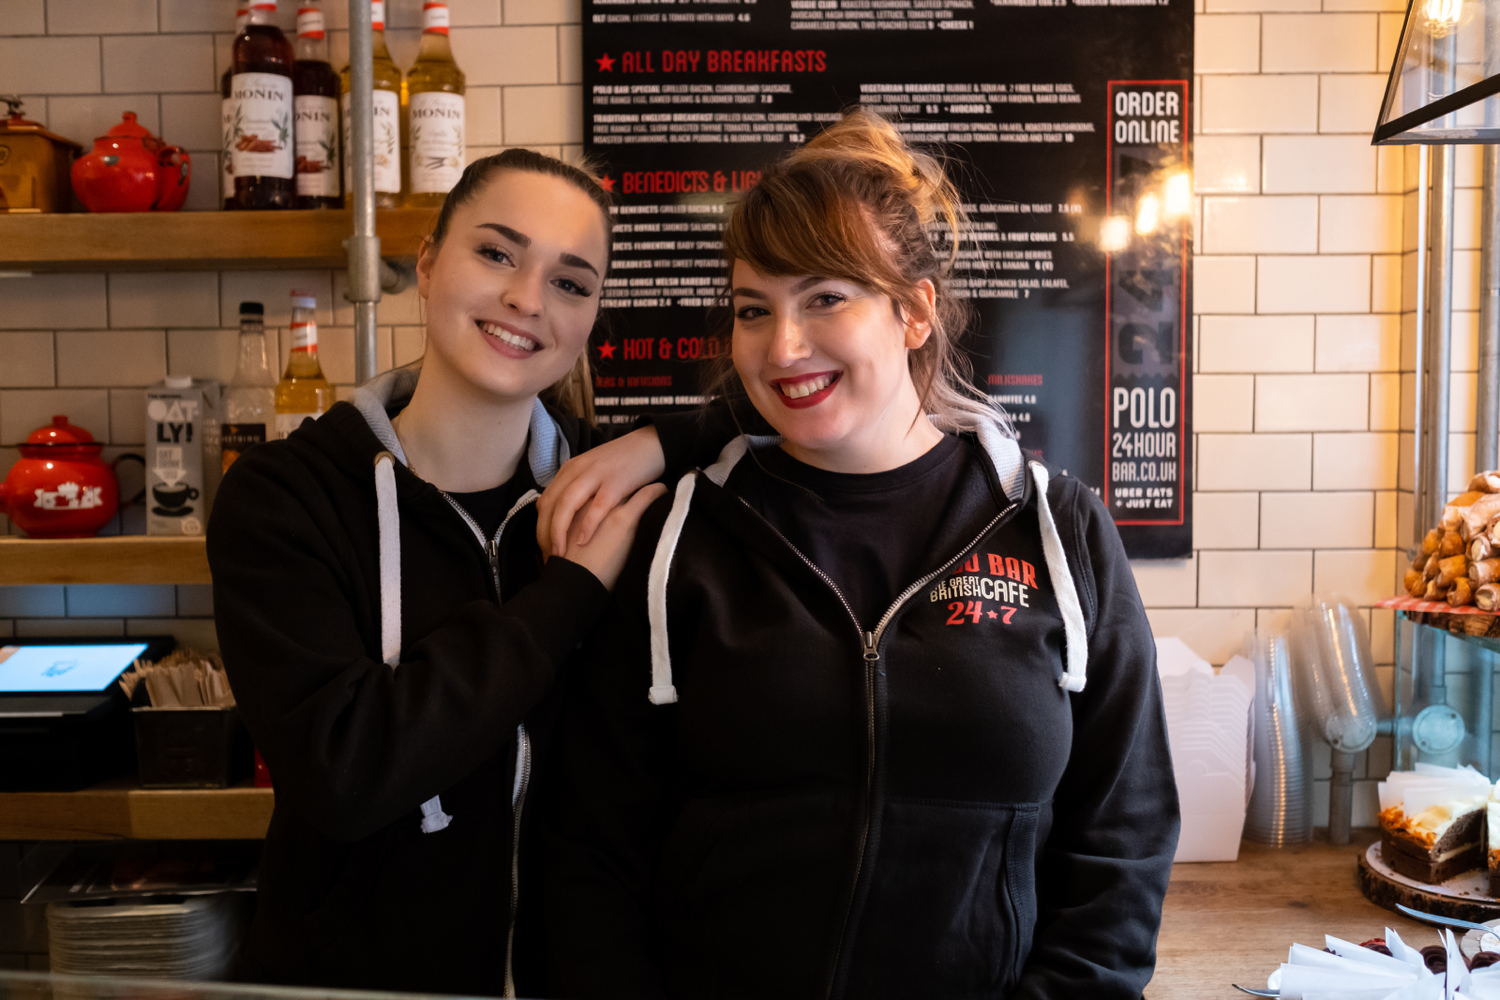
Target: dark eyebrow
x,y
509,233
521,239
802,286
573,260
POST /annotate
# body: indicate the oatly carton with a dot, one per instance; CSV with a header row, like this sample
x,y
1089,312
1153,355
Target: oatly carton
x,y
182,454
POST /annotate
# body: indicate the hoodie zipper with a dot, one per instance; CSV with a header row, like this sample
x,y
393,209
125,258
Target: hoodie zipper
x,y
870,651
523,738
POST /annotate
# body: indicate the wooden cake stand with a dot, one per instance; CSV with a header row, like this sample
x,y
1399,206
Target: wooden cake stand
x,y
1464,896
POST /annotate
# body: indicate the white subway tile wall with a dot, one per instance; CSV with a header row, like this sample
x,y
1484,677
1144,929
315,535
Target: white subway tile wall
x,y
1303,273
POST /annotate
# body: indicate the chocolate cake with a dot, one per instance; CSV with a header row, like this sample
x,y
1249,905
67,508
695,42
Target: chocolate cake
x,y
1493,854
1440,842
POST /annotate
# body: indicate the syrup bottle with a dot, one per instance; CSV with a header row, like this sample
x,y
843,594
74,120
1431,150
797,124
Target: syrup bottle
x,y
387,118
250,402
435,111
303,392
226,114
261,88
315,90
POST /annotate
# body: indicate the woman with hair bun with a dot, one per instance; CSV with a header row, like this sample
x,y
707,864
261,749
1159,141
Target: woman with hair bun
x,y
392,636
875,713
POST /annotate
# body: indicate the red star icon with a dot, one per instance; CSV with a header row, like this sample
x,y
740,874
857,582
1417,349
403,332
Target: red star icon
x,y
606,64
607,350
607,182
993,614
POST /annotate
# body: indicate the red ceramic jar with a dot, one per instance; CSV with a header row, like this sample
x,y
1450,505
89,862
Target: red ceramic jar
x,y
131,170
60,488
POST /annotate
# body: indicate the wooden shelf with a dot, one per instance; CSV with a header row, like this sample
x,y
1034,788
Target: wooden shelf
x,y
119,559
118,810
198,241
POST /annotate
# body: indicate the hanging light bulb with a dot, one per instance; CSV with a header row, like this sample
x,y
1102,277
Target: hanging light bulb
x,y
1443,16
1179,201
1148,214
1114,234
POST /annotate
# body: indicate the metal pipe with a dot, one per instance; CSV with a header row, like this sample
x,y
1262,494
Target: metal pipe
x,y
1341,797
1438,360
1419,349
364,246
1487,401
1484,710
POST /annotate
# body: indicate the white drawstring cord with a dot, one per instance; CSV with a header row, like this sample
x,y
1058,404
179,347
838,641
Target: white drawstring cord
x,y
1074,632
390,558
663,692
389,519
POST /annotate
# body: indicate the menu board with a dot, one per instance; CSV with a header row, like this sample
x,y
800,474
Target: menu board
x,y
1065,124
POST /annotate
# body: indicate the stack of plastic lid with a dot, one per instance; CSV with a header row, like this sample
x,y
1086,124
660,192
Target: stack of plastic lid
x,y
180,937
1208,724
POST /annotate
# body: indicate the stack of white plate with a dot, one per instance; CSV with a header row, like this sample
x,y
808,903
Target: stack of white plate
x,y
183,937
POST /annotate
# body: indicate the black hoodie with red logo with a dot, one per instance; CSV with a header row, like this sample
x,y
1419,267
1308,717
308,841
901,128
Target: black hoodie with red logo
x,y
764,796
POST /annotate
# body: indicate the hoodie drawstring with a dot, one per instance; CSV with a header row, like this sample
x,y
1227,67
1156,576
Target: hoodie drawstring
x,y
1075,642
389,518
662,690
1004,452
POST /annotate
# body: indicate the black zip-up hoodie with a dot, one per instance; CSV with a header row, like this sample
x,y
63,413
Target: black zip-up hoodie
x,y
402,745
947,803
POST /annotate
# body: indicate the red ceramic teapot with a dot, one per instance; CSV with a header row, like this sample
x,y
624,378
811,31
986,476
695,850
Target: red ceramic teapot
x,y
131,170
61,488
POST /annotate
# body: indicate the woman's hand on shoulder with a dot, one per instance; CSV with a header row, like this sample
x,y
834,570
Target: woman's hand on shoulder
x,y
587,488
604,552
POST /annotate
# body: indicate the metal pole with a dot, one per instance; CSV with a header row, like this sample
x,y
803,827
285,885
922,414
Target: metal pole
x,y
1419,346
1340,797
364,245
1439,340
1487,403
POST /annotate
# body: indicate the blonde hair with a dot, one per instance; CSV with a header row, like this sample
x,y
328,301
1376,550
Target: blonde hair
x,y
857,203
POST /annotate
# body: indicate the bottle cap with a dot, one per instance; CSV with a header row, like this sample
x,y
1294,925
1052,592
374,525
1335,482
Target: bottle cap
x,y
179,381
435,17
252,309
304,300
310,22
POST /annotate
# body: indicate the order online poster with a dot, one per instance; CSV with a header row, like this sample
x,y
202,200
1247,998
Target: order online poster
x,y
1066,124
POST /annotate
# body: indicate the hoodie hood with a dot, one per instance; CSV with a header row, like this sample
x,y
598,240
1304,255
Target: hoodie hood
x,y
388,393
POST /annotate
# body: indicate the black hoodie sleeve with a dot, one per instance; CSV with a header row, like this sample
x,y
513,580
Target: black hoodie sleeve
x,y
609,822
352,743
692,439
1103,870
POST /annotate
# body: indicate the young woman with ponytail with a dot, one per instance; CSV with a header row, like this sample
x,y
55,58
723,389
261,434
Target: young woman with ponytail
x,y
875,713
393,638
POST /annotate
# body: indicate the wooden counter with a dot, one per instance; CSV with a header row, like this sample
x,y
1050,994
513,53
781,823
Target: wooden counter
x,y
119,810
1233,922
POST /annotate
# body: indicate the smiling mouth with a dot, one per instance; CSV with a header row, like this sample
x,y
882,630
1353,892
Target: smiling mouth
x,y
805,387
506,337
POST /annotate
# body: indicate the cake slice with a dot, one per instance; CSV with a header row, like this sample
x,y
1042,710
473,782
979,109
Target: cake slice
x,y
1432,822
1493,854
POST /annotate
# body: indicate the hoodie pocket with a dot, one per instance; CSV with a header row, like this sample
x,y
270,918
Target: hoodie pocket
x,y
952,901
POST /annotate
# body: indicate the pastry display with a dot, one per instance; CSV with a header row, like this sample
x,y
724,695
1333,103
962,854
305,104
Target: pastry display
x,y
1459,561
